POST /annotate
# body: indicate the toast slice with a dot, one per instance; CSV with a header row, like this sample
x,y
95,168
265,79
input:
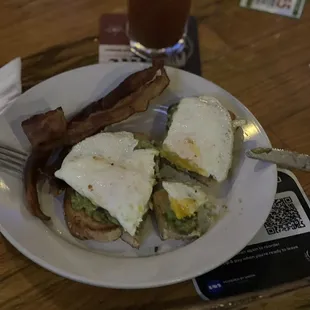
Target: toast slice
x,y
84,227
200,138
88,226
166,220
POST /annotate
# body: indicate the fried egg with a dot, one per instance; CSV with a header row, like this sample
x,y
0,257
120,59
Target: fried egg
x,y
200,138
107,170
184,200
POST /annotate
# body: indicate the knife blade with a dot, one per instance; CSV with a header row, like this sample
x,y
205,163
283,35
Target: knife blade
x,y
283,158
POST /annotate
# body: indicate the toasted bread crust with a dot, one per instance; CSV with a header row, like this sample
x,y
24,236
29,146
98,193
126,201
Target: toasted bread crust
x,y
83,227
132,241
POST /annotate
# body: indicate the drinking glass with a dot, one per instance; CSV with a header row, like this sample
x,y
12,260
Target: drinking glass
x,y
157,27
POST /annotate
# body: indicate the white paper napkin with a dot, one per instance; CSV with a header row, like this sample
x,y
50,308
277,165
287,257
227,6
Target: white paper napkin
x,y
10,83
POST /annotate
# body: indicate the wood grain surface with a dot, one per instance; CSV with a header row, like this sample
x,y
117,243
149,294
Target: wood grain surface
x,y
262,59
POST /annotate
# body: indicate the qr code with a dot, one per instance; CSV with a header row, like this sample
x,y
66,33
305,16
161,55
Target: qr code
x,y
283,217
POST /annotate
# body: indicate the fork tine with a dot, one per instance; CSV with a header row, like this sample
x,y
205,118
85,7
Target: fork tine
x,y
10,167
12,160
12,155
9,150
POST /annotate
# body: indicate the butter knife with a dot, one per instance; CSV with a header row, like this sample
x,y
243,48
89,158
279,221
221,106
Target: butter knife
x,y
283,158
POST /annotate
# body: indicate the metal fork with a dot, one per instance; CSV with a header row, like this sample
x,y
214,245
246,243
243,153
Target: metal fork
x,y
11,159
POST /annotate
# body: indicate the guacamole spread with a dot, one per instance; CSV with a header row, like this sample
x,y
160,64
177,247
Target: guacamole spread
x,y
183,226
144,144
80,203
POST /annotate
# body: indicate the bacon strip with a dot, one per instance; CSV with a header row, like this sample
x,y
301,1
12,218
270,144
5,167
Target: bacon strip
x,y
138,101
34,162
49,126
131,96
125,88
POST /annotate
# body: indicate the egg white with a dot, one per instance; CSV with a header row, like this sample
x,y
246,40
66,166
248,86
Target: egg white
x,y
179,193
201,133
107,169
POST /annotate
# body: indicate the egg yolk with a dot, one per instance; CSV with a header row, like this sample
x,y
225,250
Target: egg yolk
x,y
182,163
183,208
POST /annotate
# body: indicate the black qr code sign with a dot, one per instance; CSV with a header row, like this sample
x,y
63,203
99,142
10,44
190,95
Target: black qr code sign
x,y
283,217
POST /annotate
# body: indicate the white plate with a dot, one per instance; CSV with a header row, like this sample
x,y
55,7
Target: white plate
x,y
248,194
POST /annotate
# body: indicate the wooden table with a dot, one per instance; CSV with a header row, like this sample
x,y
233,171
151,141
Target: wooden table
x,y
262,59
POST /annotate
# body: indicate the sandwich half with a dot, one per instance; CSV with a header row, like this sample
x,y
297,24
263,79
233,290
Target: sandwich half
x,y
86,221
181,210
200,138
111,177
